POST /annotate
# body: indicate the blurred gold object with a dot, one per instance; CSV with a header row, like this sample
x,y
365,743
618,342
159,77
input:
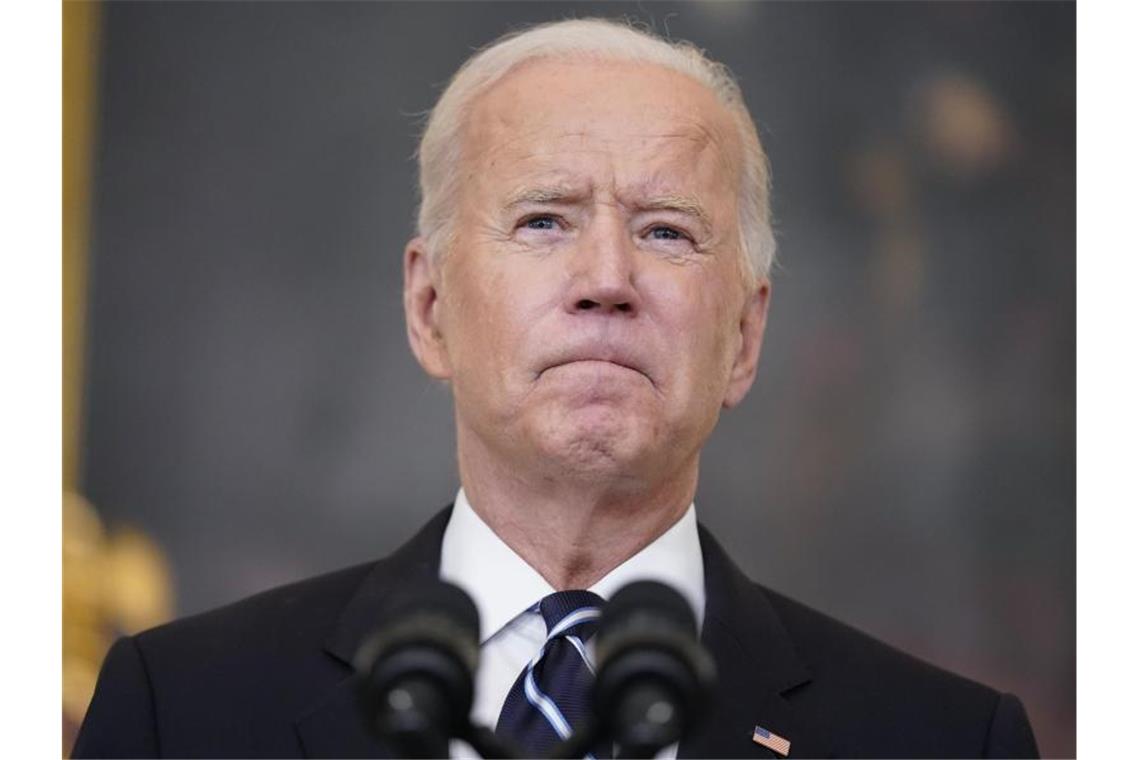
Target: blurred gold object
x,y
137,591
965,127
882,180
885,187
85,637
114,583
80,59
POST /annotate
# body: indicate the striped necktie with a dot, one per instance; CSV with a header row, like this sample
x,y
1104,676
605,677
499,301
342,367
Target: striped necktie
x,y
551,696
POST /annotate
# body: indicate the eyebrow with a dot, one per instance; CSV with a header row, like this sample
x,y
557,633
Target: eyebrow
x,y
545,194
681,204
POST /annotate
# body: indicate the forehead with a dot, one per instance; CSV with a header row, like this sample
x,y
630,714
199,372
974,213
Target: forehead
x,y
632,127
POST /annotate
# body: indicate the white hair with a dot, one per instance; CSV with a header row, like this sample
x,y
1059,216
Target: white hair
x,y
596,39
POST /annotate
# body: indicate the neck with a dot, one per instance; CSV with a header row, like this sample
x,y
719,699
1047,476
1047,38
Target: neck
x,y
572,531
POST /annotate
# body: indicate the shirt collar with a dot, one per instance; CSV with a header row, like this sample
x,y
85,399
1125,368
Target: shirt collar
x,y
673,558
499,581
503,585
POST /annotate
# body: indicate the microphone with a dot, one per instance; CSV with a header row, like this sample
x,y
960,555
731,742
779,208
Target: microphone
x,y
652,673
415,672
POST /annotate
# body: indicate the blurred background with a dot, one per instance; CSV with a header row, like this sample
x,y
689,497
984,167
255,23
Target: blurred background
x,y
241,408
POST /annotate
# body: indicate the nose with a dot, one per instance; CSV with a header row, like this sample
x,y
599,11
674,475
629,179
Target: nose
x,y
603,270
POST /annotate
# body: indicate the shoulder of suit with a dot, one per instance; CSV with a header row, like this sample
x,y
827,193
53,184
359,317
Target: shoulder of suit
x,y
288,624
295,615
871,677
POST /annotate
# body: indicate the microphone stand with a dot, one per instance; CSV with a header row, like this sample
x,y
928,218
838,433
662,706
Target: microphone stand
x,y
488,744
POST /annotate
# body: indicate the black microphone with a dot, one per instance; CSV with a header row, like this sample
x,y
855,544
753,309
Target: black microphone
x,y
415,672
652,673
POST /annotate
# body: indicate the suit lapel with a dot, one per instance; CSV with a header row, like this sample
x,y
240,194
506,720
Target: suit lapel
x,y
332,727
756,666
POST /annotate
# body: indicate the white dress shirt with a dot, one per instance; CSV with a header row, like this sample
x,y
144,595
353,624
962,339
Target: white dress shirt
x,y
506,591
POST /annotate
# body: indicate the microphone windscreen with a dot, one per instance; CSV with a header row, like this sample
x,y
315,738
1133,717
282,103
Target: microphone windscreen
x,y
415,672
652,674
650,602
436,599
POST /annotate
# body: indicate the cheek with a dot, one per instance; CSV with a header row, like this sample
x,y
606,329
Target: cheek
x,y
700,325
476,329
487,320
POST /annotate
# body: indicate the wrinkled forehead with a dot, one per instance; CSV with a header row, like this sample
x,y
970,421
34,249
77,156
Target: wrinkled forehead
x,y
630,124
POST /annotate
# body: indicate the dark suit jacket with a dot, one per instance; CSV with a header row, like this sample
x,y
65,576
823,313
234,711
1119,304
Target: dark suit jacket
x,y
269,677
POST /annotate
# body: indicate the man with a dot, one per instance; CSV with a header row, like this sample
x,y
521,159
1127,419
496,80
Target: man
x,y
591,279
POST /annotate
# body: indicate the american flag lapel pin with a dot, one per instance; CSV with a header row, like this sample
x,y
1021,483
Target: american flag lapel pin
x,y
766,738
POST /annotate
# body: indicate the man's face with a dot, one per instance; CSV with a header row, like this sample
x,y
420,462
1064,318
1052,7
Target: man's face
x,y
591,315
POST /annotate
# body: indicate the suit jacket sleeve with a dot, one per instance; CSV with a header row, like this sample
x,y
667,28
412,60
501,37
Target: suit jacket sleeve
x,y
1010,734
120,721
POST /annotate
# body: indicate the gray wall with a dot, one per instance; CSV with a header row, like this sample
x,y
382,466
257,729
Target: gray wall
x,y
906,460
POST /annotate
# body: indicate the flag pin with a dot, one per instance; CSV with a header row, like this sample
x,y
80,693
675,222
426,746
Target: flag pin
x,y
766,738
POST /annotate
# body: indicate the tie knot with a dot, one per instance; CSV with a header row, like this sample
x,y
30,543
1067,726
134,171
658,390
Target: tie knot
x,y
565,612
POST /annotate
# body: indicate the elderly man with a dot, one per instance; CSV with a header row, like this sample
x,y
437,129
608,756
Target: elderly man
x,y
590,277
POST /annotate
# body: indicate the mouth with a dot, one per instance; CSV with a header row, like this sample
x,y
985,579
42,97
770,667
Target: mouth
x,y
605,362
598,357
608,363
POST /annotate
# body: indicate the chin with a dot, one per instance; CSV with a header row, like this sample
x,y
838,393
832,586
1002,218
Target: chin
x,y
598,444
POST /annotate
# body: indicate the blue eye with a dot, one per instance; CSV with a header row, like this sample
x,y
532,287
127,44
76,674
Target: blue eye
x,y
665,233
540,223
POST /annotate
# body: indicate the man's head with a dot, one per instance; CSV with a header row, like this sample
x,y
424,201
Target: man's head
x,y
440,150
591,269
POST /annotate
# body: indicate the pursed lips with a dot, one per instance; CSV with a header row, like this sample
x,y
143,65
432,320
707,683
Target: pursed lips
x,y
620,359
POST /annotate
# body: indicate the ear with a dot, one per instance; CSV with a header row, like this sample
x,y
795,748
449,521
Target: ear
x,y
753,319
421,303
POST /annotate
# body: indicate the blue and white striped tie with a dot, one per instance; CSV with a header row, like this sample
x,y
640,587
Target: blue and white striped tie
x,y
551,697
